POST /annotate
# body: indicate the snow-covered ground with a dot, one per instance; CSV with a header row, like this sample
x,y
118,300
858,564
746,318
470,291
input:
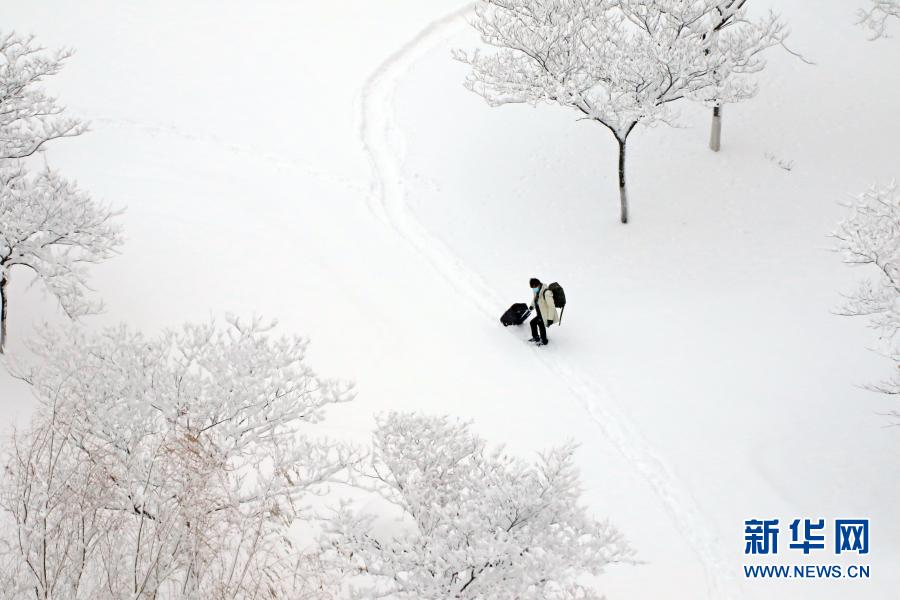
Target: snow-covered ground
x,y
325,166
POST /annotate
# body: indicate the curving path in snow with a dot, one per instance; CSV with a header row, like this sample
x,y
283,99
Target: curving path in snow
x,y
387,200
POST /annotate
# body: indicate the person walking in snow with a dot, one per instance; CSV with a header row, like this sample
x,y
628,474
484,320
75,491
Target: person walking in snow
x,y
542,302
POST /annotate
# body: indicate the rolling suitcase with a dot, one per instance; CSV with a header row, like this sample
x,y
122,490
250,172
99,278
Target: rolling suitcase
x,y
515,315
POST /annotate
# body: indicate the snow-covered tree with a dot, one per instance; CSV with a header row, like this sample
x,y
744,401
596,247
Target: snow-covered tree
x,y
616,62
871,236
28,116
739,42
46,223
53,229
876,17
167,468
478,523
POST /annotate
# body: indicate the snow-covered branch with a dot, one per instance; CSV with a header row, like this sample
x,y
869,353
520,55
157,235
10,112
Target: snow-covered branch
x,y
871,236
28,116
740,42
479,523
876,17
54,230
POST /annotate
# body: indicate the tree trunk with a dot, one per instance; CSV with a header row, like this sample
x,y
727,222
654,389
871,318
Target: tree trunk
x,y
715,135
4,281
623,193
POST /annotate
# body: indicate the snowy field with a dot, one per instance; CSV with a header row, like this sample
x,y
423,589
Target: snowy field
x,y
324,166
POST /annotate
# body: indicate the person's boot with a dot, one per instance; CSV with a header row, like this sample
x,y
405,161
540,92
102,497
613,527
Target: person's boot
x,y
535,340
